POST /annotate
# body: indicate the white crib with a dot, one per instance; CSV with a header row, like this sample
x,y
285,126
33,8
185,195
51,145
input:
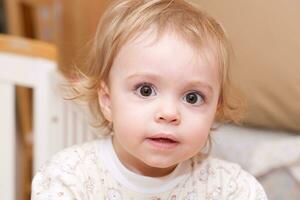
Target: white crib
x,y
57,123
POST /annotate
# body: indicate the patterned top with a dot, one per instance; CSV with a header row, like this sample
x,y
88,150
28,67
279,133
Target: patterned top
x,y
92,171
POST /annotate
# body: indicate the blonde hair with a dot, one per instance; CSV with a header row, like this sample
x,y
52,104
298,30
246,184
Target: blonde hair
x,y
125,19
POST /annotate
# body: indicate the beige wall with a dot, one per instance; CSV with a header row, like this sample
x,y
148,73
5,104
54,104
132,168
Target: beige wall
x,y
266,40
76,26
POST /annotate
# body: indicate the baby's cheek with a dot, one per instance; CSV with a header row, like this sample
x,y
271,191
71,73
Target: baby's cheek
x,y
198,130
199,137
128,119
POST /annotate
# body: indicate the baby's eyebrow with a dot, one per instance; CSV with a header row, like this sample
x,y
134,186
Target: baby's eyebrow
x,y
143,75
196,83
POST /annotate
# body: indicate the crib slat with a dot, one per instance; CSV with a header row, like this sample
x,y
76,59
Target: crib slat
x,y
70,125
7,142
56,127
41,125
80,129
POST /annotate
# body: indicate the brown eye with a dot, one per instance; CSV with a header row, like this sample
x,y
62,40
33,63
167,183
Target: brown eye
x,y
145,90
194,98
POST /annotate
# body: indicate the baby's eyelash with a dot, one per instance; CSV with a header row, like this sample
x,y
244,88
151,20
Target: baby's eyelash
x,y
143,84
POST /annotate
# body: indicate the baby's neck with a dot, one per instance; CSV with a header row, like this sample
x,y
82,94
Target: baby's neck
x,y
150,171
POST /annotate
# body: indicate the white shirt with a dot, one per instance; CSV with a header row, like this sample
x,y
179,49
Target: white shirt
x,y
92,171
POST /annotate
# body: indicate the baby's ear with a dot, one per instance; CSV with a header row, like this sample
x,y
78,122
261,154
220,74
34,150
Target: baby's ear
x,y
104,101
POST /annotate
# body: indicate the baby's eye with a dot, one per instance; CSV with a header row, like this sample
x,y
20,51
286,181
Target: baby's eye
x,y
194,98
145,90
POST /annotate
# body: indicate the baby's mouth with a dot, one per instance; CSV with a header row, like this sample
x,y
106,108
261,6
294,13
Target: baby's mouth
x,y
164,137
163,141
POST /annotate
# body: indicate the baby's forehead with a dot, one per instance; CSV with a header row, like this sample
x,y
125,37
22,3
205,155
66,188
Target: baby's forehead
x,y
147,53
148,41
151,36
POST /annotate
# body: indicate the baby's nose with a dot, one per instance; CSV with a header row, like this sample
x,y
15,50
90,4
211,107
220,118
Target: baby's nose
x,y
169,113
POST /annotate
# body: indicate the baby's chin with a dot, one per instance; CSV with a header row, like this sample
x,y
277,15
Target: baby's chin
x,y
158,168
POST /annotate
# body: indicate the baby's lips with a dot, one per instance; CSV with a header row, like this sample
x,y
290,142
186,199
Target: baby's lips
x,y
164,136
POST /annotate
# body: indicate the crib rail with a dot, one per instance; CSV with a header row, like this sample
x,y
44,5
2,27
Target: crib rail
x,y
8,141
57,123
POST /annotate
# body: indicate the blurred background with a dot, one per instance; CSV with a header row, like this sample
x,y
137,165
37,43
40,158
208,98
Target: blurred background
x,y
64,27
265,68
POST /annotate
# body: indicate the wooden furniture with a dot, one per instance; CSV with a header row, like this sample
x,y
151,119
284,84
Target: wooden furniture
x,y
24,63
56,123
32,18
76,26
69,25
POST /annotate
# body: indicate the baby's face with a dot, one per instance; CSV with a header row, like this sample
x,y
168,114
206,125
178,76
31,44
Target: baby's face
x,y
162,100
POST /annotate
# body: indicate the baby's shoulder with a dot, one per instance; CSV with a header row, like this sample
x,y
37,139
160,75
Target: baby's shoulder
x,y
214,170
69,173
215,165
226,179
72,159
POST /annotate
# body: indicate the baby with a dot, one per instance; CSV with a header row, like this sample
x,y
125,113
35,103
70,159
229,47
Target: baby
x,y
157,82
